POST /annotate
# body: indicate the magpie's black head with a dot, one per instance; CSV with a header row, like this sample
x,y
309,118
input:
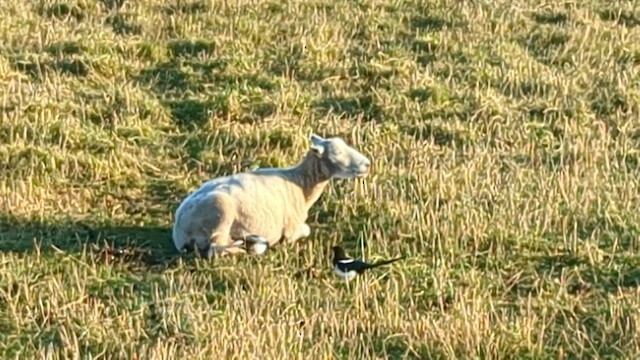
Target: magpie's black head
x,y
338,253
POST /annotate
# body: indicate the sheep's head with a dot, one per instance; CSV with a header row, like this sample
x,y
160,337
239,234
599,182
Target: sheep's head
x,y
339,160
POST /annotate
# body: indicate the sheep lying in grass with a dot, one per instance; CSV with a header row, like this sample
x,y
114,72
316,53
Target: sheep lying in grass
x,y
263,206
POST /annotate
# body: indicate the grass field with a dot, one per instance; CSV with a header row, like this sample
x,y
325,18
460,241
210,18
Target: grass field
x,y
505,141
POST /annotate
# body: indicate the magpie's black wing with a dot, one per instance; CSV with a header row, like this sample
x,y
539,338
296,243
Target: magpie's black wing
x,y
352,265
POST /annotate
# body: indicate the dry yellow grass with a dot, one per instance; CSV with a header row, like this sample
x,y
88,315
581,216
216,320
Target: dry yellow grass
x,y
504,136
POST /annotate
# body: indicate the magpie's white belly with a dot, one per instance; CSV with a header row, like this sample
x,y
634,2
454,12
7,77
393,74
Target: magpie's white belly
x,y
349,275
259,248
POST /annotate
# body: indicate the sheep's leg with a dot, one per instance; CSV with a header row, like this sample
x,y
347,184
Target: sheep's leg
x,y
301,232
218,246
229,250
218,251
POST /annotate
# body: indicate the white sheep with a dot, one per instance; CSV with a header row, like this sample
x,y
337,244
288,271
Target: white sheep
x,y
263,206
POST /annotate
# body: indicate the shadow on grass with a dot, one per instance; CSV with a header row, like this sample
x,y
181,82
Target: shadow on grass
x,y
230,145
143,245
549,17
579,274
287,62
148,246
39,70
194,90
429,23
191,48
625,18
194,146
547,45
387,345
185,7
123,25
624,275
113,4
426,51
364,106
63,11
65,48
191,112
525,88
530,267
183,73
607,99
439,136
172,79
433,22
171,76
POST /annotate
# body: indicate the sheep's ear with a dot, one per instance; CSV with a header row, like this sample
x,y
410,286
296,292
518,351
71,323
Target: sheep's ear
x,y
317,144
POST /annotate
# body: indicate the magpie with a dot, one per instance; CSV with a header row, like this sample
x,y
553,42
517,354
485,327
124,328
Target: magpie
x,y
348,268
253,244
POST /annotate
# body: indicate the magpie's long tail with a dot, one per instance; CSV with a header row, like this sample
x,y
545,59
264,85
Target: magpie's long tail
x,y
384,262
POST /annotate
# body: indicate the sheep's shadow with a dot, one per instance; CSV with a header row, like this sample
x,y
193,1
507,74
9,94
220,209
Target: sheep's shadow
x,y
140,245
